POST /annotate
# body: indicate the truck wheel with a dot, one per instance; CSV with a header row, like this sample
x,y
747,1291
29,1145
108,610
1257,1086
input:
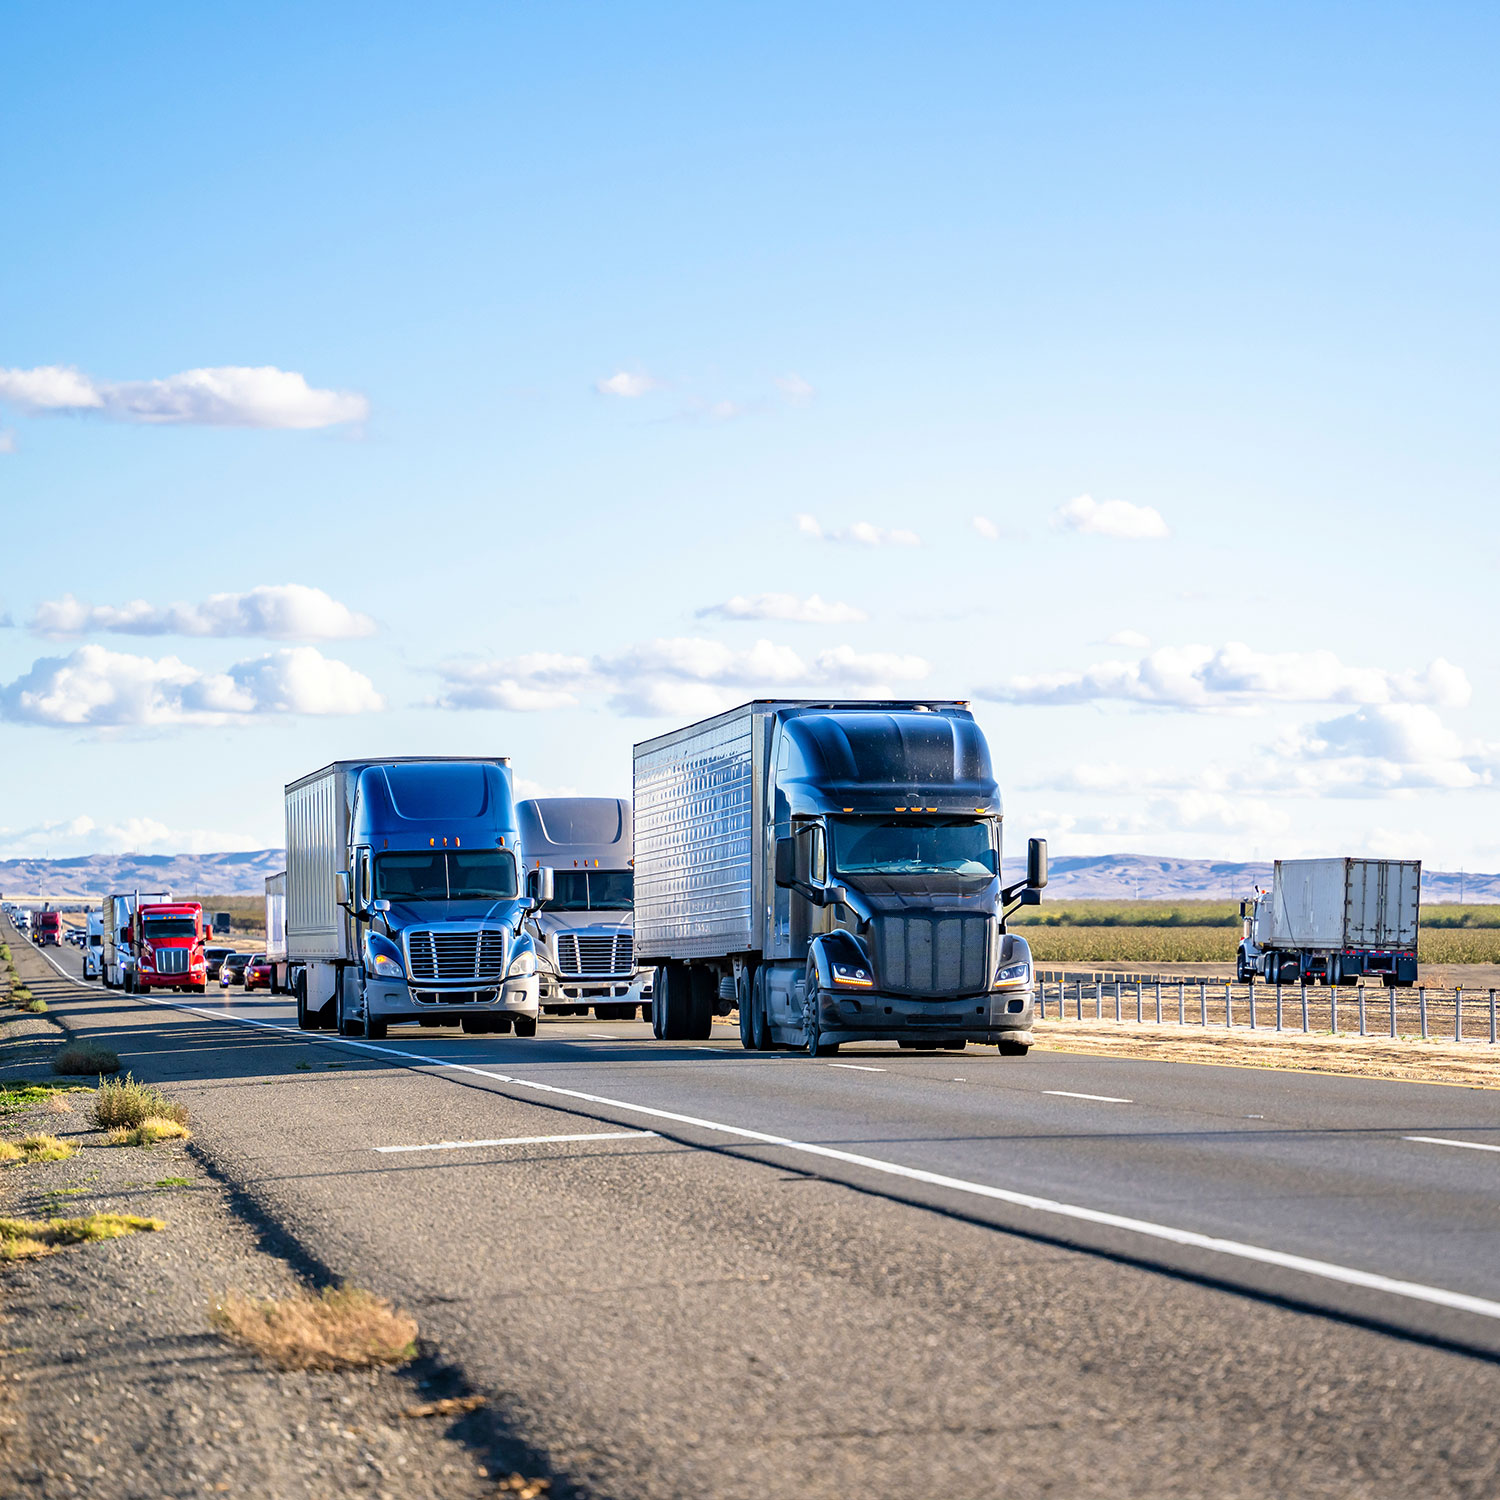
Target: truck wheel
x,y
374,1030
673,1002
760,1017
525,1025
347,1025
306,1019
1012,1049
1241,968
747,1008
502,1025
704,995
812,1025
475,1025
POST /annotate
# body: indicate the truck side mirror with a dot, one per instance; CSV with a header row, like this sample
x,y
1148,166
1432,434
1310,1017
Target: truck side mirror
x,y
380,904
1036,863
786,861
342,879
541,885
1243,912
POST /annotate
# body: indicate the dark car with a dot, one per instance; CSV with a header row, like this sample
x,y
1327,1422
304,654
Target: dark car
x,y
232,968
215,958
258,973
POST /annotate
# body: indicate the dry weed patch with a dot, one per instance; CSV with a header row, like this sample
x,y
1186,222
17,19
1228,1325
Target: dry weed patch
x,y
46,1148
20,1238
34,1005
122,1102
148,1133
83,1058
344,1328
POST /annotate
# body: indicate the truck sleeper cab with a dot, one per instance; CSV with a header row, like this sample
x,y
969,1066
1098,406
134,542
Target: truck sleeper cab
x,y
166,942
833,870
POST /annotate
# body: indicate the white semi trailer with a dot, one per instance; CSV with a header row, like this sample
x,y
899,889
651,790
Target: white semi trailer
x,y
115,912
1332,921
276,954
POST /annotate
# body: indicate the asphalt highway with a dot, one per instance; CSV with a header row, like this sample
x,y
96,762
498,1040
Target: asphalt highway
x,y
694,1270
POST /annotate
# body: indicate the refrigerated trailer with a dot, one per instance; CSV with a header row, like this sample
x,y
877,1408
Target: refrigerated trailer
x,y
275,932
832,870
1332,921
404,897
115,911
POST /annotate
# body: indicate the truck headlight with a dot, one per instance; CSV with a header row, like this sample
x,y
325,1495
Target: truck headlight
x,y
1013,976
383,958
522,965
853,975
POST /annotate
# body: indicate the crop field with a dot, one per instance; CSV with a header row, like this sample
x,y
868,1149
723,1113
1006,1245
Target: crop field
x,y
1161,932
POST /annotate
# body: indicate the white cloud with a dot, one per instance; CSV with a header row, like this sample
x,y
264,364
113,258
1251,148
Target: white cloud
x,y
7,442
812,610
627,383
1114,518
861,533
278,612
986,528
226,396
1234,676
79,835
1131,639
96,687
684,676
795,389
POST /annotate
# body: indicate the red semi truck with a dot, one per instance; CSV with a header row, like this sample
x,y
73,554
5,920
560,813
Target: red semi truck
x,y
46,929
166,940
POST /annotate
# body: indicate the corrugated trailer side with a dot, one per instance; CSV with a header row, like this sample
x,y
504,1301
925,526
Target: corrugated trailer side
x,y
1307,903
276,918
698,817
1383,903
317,825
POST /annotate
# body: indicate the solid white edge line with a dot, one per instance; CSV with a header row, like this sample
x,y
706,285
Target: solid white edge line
x,y
1097,1098
526,1140
1187,1238
857,1067
1437,1140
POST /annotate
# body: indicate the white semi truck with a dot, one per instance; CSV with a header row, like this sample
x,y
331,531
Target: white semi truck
x,y
115,913
585,935
1332,921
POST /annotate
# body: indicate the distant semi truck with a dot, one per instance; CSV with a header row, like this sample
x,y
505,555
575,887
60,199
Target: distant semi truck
x,y
166,941
405,898
585,932
833,870
275,932
47,929
114,920
1334,921
93,946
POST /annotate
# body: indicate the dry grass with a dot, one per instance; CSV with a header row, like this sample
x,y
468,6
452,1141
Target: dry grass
x,y
57,1105
80,1059
344,1328
46,1148
22,1238
9,1151
122,1102
1364,1057
148,1133
35,1006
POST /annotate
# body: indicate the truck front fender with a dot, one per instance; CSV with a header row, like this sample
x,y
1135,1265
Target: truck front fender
x,y
842,948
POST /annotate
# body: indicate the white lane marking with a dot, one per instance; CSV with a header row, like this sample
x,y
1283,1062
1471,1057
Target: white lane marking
x,y
1437,1140
1097,1098
608,1036
1187,1238
857,1067
526,1140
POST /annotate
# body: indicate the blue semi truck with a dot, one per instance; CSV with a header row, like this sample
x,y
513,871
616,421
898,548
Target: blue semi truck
x,y
406,898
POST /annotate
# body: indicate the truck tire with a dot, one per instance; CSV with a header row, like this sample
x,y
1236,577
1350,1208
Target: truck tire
x,y
347,1025
747,1008
306,1020
812,1021
1241,968
704,996
672,1002
1012,1049
525,1025
374,1030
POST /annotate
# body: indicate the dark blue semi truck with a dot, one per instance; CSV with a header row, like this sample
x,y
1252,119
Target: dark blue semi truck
x,y
406,899
833,871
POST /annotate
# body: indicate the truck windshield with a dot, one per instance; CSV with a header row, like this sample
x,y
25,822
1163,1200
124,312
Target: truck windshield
x,y
445,875
912,846
592,890
157,928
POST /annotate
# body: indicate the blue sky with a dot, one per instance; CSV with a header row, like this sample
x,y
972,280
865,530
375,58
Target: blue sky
x,y
521,379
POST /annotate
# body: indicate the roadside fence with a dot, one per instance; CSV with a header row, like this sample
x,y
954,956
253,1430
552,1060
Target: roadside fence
x,y
1456,1015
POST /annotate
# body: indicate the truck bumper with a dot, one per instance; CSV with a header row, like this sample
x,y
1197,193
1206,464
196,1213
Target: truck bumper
x,y
579,989
873,1017
395,1000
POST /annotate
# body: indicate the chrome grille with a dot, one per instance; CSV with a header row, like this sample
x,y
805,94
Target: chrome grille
x,y
932,955
171,960
456,955
595,953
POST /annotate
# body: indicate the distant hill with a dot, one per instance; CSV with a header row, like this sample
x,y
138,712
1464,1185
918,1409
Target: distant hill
x,y
1147,877
1098,877
93,875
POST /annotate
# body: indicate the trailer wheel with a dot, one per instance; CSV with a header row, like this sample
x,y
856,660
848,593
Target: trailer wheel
x,y
672,1003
